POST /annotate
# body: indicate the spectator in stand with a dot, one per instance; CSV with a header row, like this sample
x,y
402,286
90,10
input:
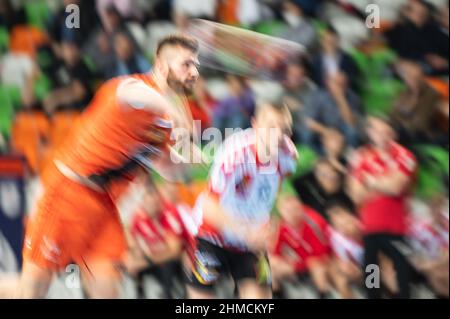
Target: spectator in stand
x,y
333,144
236,110
9,16
300,246
298,93
332,60
300,29
319,186
441,40
416,37
156,237
414,113
58,30
347,246
336,107
129,59
380,177
128,9
72,80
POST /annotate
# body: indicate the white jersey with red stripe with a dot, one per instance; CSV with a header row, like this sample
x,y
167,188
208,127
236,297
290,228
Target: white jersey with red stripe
x,y
428,240
346,248
245,185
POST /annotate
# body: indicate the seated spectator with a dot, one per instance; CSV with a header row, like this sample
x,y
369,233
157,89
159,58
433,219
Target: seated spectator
x,y
129,9
318,187
336,107
430,243
300,247
60,32
347,246
129,59
332,60
333,144
101,52
10,16
380,176
236,110
441,42
157,235
71,81
416,37
298,93
300,29
414,113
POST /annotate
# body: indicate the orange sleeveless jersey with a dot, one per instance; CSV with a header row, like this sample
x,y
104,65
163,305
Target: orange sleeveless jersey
x,y
108,134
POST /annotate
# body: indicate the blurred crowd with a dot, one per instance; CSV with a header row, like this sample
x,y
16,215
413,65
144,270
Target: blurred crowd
x,y
352,84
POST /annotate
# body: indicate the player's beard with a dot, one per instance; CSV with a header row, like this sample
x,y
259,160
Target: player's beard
x,y
179,86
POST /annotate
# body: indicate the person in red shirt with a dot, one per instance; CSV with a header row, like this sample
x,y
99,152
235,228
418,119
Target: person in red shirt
x,y
158,233
381,174
347,246
300,246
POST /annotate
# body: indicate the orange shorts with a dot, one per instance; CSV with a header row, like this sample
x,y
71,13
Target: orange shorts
x,y
73,224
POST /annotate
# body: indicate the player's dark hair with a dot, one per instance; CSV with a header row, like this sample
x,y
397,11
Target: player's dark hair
x,y
178,40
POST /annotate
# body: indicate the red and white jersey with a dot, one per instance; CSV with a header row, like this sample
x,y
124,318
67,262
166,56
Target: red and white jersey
x,y
307,240
383,213
346,248
246,185
428,240
172,220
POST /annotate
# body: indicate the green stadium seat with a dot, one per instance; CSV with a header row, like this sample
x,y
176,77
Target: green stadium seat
x,y
38,13
42,86
270,27
7,112
4,39
433,166
306,160
378,91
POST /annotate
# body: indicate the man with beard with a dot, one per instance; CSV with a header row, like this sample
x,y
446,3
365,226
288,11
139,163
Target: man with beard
x,y
126,127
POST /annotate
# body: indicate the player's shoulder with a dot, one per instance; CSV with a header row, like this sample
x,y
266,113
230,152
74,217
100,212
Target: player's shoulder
x,y
136,90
